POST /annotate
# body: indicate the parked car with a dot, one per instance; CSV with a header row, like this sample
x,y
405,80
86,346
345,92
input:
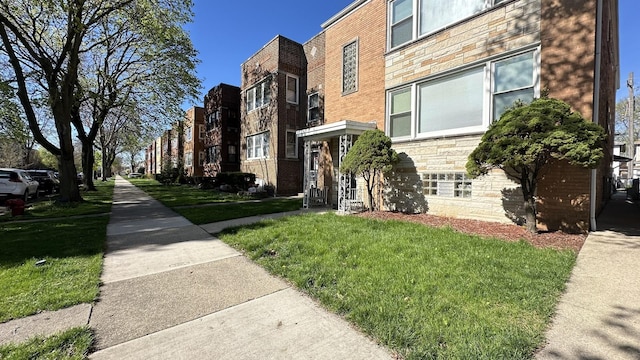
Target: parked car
x,y
17,183
135,175
47,180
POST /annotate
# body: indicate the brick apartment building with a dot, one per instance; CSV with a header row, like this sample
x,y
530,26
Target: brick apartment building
x,y
272,109
222,140
434,75
193,128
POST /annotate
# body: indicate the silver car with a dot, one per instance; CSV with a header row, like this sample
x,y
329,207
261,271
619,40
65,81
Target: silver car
x,y
17,183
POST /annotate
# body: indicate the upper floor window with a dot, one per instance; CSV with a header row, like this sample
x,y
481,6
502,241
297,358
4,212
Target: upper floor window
x,y
401,22
350,67
188,159
258,96
188,133
465,101
292,89
202,132
314,108
432,15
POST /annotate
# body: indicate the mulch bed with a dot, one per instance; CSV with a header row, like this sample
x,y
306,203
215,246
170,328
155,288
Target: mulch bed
x,y
509,232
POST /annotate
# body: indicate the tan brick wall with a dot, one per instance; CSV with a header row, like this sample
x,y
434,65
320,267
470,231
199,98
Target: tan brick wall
x,y
565,30
494,196
504,28
367,24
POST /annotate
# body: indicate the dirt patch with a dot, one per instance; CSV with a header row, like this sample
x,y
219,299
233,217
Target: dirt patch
x,y
509,232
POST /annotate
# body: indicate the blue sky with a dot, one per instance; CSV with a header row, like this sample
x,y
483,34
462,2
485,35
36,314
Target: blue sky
x,y
226,33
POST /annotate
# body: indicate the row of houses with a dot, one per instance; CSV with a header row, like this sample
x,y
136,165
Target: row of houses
x,y
432,75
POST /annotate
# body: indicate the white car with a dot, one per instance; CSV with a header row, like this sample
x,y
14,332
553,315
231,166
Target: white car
x,y
17,183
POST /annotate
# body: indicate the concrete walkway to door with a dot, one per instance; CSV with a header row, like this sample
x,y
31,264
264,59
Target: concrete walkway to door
x,y
599,315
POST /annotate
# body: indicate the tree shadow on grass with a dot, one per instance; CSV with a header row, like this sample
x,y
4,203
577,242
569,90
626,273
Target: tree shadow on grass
x,y
22,241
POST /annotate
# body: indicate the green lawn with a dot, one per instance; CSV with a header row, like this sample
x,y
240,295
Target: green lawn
x,y
209,214
95,202
182,195
71,247
425,293
73,344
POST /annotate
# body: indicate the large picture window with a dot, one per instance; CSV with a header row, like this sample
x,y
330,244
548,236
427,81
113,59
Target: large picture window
x,y
453,102
258,146
463,102
433,15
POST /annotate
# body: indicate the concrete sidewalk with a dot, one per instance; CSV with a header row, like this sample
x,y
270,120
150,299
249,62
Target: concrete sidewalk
x,y
598,317
173,291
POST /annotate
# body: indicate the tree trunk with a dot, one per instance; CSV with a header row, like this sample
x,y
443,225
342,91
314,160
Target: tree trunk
x,y
69,191
88,160
530,214
528,190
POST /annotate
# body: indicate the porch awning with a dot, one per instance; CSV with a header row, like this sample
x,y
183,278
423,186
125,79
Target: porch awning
x,y
328,131
619,158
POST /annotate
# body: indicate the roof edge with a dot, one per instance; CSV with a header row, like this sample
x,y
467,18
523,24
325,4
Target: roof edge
x,y
335,18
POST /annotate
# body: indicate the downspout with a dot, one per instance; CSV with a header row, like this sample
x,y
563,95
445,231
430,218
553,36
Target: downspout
x,y
596,111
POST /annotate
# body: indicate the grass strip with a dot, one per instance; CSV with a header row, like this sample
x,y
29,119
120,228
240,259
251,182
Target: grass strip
x,y
72,250
72,344
94,202
172,195
426,293
210,214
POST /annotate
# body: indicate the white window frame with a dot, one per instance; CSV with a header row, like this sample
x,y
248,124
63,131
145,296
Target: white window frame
x,y
354,42
259,141
188,158
309,107
416,20
202,132
188,133
255,96
293,155
296,91
488,96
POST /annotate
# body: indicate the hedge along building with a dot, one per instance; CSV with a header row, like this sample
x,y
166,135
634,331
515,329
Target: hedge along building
x,y
272,110
434,75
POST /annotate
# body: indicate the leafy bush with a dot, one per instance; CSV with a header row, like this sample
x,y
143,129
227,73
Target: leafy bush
x,y
237,180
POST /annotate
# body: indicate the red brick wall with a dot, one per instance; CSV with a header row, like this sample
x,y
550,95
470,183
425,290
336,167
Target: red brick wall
x,y
280,57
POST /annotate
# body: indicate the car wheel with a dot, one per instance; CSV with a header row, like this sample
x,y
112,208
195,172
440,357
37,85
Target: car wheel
x,y
26,196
